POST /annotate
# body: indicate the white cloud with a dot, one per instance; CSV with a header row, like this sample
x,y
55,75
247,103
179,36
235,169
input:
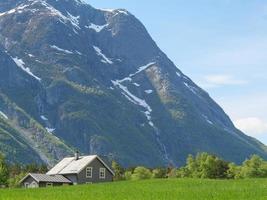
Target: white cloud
x,y
217,80
252,126
223,80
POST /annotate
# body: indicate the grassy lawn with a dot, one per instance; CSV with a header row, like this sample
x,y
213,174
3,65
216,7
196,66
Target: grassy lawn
x,y
182,189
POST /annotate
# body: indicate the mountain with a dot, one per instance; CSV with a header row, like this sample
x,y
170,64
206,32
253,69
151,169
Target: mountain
x,y
75,77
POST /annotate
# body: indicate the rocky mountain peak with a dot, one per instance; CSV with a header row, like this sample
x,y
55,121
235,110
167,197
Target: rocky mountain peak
x,y
76,77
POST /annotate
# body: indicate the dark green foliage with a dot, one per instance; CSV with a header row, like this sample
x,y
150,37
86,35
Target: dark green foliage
x,y
159,173
3,171
118,170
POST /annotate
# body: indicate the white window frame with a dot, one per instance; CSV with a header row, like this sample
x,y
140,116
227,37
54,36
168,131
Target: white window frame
x,y
89,169
49,184
102,173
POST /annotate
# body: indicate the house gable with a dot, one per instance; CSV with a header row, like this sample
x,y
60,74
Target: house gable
x,y
29,182
95,165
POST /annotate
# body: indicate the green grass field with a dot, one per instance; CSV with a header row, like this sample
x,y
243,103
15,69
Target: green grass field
x,y
182,189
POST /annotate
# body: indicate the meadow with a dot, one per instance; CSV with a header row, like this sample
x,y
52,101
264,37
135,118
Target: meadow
x,y
154,189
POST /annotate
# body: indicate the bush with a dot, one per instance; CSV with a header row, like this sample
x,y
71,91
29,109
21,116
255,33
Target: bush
x,y
255,167
159,173
4,173
128,175
118,170
14,182
204,166
234,171
141,173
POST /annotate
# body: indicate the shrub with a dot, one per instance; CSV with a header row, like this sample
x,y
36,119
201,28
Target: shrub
x,y
141,173
128,175
159,173
118,170
4,173
255,167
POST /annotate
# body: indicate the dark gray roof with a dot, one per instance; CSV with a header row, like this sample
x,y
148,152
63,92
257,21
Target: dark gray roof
x,y
49,178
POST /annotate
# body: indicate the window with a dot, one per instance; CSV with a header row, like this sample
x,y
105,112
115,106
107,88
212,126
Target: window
x,y
49,184
89,172
102,173
26,185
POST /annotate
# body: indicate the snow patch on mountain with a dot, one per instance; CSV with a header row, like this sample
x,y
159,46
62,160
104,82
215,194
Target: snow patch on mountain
x,y
43,118
134,98
50,130
20,64
122,11
148,91
136,84
115,11
14,10
178,74
3,115
104,59
191,88
207,119
62,50
74,20
142,68
97,28
131,97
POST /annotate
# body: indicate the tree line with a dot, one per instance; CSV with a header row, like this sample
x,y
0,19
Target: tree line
x,y
203,165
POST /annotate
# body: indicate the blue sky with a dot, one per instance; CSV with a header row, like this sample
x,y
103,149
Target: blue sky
x,y
221,45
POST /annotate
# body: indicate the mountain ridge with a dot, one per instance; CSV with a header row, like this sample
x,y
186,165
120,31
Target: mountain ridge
x,y
95,80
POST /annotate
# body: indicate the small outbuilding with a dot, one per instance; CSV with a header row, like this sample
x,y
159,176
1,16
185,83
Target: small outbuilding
x,y
42,180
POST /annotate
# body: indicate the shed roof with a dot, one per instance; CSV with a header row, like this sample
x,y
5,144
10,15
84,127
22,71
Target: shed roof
x,y
47,178
72,166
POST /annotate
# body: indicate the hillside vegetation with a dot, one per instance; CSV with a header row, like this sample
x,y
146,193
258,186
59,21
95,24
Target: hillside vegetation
x,y
182,189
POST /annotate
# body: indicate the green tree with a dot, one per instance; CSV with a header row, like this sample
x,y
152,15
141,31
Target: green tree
x,y
141,173
128,175
191,167
234,171
159,173
204,166
183,172
255,167
4,173
14,182
118,170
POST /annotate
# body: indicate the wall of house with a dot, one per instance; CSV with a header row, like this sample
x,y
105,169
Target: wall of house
x,y
32,182
96,165
72,178
43,184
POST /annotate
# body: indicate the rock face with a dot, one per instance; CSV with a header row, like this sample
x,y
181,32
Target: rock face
x,y
75,77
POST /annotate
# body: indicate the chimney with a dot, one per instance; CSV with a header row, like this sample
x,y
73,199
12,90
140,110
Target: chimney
x,y
77,155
